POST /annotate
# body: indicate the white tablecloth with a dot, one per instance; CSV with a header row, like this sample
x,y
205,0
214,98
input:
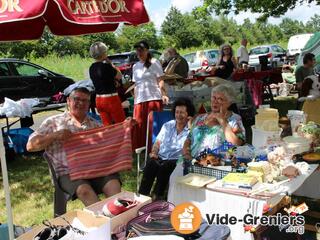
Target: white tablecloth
x,y
213,202
310,187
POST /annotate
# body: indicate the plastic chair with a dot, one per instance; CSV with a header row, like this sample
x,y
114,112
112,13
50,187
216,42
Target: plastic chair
x,y
60,197
157,119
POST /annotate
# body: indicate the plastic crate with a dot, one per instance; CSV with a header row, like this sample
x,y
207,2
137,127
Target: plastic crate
x,y
17,139
217,173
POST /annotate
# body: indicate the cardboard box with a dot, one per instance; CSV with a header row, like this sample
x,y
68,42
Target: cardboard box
x,y
89,220
124,217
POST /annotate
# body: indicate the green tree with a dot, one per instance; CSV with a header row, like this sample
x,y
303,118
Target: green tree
x,y
266,8
313,25
181,30
246,31
129,35
291,27
229,29
210,29
63,46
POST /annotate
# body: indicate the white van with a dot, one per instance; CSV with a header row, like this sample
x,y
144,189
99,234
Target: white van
x,y
297,42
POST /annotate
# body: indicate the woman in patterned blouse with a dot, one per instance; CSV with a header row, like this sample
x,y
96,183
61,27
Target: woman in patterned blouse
x,y
212,129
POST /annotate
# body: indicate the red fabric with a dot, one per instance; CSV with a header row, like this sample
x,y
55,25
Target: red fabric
x,y
26,19
140,114
275,75
110,110
256,89
99,152
202,109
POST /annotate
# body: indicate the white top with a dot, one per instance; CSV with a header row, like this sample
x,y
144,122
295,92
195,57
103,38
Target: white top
x,y
146,80
243,54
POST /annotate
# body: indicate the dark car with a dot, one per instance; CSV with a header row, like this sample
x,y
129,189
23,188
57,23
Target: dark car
x,y
22,79
125,61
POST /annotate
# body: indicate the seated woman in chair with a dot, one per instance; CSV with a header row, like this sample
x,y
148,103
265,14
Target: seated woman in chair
x,y
166,149
212,129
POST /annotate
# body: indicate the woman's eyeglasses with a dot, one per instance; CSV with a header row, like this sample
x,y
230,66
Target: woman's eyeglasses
x,y
224,49
217,99
80,100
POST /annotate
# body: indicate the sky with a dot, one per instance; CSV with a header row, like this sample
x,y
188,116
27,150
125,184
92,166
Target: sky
x,y
158,9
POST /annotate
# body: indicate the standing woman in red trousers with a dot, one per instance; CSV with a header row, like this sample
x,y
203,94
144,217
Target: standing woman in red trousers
x,y
104,76
149,92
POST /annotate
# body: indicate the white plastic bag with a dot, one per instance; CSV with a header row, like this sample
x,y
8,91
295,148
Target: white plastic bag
x,y
10,108
22,108
27,104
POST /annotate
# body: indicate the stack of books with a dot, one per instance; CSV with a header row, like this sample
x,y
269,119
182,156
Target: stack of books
x,y
239,180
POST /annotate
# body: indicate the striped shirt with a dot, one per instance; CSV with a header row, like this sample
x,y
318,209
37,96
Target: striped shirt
x,y
55,150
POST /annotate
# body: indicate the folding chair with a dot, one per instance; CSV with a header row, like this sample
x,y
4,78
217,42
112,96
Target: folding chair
x,y
267,96
60,197
157,119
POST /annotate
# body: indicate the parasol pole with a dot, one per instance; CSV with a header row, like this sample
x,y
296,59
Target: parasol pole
x,y
6,188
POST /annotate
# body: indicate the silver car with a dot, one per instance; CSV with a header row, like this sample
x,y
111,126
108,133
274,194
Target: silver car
x,y
274,54
201,58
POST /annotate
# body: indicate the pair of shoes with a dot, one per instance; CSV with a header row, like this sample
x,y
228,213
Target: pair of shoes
x,y
116,206
52,233
55,232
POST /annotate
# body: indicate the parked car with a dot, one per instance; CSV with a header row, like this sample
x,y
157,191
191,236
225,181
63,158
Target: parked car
x,y
22,79
124,61
274,53
202,58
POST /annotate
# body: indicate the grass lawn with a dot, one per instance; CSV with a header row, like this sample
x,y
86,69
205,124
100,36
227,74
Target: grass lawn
x,y
32,191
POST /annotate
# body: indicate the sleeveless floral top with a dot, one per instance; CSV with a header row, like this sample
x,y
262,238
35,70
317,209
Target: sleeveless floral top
x,y
202,136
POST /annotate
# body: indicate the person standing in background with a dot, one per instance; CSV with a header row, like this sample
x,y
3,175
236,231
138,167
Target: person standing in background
x,y
242,53
149,91
177,64
305,70
104,76
226,64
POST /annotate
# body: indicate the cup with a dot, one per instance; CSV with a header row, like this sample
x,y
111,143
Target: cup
x,y
296,118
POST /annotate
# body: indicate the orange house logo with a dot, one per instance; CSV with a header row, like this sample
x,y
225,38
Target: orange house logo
x,y
186,218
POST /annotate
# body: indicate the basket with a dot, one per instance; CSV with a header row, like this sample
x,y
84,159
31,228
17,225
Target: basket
x,y
217,173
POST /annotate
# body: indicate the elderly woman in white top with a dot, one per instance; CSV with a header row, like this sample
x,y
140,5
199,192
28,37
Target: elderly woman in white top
x,y
149,91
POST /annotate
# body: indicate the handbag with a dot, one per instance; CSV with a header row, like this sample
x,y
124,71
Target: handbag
x,y
154,223
154,219
160,205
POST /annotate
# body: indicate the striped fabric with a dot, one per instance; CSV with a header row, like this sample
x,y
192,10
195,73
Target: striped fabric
x,y
99,152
